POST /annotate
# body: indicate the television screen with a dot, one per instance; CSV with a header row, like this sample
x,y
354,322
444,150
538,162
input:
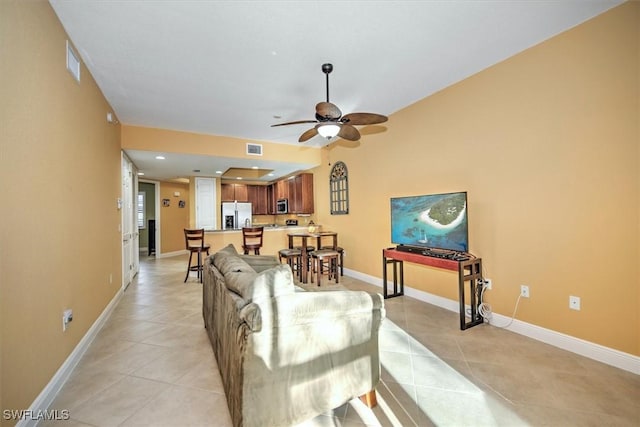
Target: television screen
x,y
436,221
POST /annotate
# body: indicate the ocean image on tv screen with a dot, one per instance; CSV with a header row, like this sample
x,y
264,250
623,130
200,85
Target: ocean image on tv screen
x,y
434,221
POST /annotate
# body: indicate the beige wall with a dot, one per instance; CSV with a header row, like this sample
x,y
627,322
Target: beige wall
x,y
547,145
60,179
173,219
150,139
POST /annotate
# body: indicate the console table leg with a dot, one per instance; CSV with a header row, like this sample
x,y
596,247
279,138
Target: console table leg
x,y
398,282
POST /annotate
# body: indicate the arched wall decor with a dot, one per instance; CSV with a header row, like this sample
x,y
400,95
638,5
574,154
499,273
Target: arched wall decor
x,y
339,189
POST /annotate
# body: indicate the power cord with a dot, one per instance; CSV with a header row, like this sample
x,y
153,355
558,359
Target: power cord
x,y
484,309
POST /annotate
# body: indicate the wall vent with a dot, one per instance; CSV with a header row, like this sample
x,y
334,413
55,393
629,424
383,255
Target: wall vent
x,y
73,62
254,149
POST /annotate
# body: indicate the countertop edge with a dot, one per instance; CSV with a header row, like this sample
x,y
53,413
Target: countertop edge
x,y
266,229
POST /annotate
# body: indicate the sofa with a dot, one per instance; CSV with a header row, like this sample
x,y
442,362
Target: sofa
x,y
286,355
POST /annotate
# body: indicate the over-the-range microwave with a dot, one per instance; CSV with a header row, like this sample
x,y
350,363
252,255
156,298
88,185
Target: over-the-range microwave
x,y
282,206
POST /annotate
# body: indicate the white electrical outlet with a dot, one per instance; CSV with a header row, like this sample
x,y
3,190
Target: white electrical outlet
x,y
574,303
488,283
524,291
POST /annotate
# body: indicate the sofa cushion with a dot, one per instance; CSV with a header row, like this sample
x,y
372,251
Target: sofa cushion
x,y
229,249
269,283
227,262
260,262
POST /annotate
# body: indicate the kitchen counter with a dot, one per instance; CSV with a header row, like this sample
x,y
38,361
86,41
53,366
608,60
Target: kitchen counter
x,y
266,228
274,238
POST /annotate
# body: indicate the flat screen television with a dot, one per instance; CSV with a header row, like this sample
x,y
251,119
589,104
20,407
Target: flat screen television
x,y
436,221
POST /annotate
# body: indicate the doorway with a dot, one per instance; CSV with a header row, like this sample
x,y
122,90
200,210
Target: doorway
x,y
148,218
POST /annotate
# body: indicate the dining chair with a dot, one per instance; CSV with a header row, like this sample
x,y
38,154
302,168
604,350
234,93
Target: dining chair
x,y
252,239
194,242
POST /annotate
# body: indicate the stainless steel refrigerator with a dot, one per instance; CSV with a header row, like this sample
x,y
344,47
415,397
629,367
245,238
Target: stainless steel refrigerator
x,y
235,215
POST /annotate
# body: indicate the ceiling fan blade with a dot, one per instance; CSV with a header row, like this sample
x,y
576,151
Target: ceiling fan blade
x,y
308,135
327,110
295,123
363,118
349,132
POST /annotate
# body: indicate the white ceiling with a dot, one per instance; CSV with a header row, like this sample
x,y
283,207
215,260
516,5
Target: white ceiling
x,y
234,68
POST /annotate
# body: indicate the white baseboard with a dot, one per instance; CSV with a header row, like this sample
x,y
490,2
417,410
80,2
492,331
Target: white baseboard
x,y
594,351
170,254
46,396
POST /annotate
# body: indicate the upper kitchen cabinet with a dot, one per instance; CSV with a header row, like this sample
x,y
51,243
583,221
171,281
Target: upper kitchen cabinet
x,y
258,196
231,192
301,194
282,189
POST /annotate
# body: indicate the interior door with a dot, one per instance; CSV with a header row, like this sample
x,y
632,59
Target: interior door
x,y
206,203
127,208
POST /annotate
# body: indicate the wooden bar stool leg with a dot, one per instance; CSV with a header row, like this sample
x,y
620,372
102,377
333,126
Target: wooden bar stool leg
x,y
188,268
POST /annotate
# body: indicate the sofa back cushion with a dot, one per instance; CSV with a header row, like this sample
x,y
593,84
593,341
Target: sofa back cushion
x,y
227,262
269,283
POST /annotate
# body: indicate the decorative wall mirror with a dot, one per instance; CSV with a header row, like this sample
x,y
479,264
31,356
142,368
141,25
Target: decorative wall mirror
x,y
339,189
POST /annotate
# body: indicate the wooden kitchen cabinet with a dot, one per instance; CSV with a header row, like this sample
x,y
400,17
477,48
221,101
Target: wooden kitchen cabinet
x,y
271,199
231,192
257,195
282,189
301,194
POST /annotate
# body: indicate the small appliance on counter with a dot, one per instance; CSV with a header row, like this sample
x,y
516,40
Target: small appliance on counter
x,y
291,222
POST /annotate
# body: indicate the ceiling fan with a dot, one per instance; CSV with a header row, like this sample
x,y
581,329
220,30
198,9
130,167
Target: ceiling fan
x,y
331,122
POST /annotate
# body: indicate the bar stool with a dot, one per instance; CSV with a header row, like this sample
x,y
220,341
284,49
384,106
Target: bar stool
x,y
252,239
340,259
194,242
322,258
294,259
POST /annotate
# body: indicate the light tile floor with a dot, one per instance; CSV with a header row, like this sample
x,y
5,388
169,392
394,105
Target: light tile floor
x,y
152,365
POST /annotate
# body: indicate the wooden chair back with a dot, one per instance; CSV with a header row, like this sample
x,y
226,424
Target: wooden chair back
x,y
194,239
252,239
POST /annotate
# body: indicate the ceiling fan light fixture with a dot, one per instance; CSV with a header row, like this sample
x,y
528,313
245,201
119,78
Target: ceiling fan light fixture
x,y
328,130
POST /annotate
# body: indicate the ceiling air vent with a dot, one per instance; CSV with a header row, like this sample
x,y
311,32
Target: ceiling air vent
x,y
254,149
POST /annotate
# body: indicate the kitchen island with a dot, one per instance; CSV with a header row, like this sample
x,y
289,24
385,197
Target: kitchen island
x,y
274,239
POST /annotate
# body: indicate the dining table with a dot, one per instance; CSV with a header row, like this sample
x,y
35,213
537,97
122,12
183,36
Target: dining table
x,y
304,237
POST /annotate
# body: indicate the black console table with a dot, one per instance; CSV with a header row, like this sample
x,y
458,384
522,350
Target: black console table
x,y
468,271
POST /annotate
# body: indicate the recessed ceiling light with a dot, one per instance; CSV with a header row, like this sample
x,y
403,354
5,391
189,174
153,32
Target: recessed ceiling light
x,y
254,167
270,174
159,157
140,173
218,172
239,177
